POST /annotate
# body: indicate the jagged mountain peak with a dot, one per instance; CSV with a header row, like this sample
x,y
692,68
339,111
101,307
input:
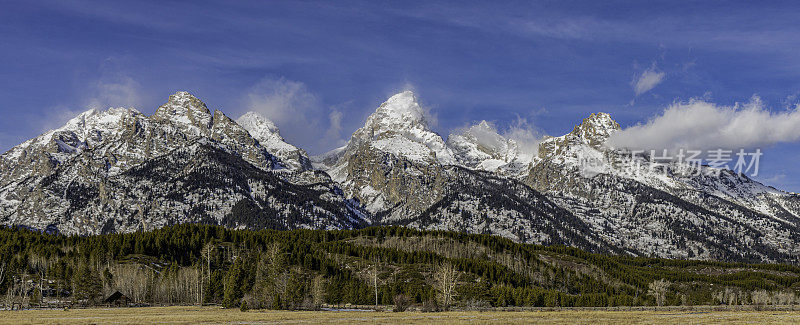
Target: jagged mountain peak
x,y
257,124
593,131
399,127
88,127
186,110
94,116
401,105
400,112
183,99
480,146
268,135
596,128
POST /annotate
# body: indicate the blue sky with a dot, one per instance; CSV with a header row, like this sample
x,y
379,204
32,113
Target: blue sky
x,y
331,63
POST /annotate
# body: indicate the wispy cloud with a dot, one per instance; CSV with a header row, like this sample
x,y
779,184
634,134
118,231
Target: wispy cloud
x,y
526,134
115,90
335,128
54,117
522,131
118,91
700,125
299,114
647,80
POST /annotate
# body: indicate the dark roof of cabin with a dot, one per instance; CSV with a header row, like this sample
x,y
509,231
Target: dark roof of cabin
x,y
115,296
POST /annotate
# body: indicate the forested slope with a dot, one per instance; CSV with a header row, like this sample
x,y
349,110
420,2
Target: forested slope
x,y
190,263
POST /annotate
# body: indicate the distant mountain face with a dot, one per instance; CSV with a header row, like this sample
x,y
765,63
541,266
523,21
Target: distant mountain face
x,y
269,137
119,170
668,214
480,147
481,182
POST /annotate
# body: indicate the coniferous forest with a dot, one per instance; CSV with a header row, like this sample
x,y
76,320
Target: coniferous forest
x,y
400,267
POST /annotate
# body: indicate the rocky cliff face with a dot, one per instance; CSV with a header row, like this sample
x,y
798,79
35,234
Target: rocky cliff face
x,y
393,165
268,136
480,147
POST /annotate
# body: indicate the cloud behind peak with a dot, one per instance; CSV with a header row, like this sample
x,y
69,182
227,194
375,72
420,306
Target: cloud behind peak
x,y
701,125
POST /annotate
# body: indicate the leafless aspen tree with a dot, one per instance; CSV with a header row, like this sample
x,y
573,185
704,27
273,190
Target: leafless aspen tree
x,y
2,272
207,252
318,290
658,289
372,272
445,280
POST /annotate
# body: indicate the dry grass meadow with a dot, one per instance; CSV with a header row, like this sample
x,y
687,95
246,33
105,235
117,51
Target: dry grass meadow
x,y
214,315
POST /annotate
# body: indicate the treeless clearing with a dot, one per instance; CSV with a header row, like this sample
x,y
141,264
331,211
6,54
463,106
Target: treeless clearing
x,y
214,315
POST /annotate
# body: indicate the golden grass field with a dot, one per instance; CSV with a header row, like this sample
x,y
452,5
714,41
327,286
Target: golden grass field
x,y
215,315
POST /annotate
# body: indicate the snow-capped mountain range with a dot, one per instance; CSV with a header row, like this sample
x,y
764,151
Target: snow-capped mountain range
x,y
119,170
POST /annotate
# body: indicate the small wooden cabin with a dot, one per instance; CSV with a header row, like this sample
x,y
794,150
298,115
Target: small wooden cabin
x,y
117,299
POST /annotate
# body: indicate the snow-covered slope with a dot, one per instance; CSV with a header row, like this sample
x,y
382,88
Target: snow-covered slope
x,y
392,159
399,127
481,147
268,135
120,170
61,178
651,207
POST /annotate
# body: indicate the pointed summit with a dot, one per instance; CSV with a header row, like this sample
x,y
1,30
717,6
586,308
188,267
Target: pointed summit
x,y
399,127
188,112
480,146
401,105
479,143
399,112
182,100
268,135
595,129
258,125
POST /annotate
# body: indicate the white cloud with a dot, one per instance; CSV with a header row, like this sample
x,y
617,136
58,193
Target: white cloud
x,y
108,91
647,80
487,134
527,136
117,91
335,128
298,113
700,125
54,117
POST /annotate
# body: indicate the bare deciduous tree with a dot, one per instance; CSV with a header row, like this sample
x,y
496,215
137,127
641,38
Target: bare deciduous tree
x,y
207,253
274,276
133,280
2,272
760,297
318,290
372,272
658,289
445,281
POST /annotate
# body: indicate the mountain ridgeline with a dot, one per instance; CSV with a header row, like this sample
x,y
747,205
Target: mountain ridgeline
x,y
120,171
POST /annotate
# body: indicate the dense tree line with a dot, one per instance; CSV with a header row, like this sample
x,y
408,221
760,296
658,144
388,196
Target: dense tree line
x,y
302,269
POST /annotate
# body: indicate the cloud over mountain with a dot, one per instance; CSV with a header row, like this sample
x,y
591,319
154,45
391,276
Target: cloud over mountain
x,y
701,125
299,113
